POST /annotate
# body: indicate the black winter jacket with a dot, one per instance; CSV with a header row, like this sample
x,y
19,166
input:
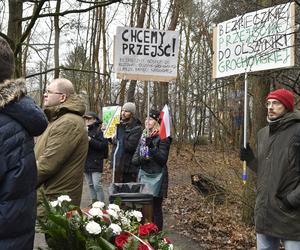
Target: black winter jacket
x,y
277,208
98,147
128,137
20,120
157,162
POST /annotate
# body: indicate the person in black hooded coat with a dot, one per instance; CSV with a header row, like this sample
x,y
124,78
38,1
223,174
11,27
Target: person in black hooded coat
x,y
98,150
20,120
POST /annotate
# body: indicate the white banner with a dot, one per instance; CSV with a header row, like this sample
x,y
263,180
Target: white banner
x,y
259,40
144,54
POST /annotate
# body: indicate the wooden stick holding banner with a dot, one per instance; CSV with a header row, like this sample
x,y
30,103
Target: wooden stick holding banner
x,y
244,176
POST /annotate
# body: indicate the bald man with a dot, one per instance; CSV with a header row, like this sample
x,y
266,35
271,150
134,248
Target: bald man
x,y
61,150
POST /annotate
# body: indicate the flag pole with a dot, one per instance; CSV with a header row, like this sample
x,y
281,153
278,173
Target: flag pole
x,y
148,105
244,176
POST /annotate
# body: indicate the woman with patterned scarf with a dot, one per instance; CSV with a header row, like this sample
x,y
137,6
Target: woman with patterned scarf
x,y
151,156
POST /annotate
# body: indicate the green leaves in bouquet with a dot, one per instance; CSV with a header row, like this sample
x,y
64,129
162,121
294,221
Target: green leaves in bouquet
x,y
131,244
99,244
63,226
62,233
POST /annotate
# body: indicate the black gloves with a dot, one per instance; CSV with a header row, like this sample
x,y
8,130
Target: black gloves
x,y
246,154
149,142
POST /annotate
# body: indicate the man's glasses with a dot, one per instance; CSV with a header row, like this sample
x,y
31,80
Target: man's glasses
x,y
52,92
274,104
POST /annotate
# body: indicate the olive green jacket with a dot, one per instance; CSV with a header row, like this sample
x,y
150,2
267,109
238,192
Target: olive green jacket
x,y
61,151
277,209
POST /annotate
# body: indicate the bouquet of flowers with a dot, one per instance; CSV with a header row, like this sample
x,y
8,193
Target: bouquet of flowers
x,y
98,228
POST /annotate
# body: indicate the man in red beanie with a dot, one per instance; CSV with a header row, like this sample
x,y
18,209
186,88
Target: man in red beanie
x,y
277,165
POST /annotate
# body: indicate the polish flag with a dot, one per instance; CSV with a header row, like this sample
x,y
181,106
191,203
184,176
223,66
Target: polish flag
x,y
165,125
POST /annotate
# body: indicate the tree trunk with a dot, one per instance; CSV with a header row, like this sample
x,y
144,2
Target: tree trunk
x,y
140,24
14,31
56,43
174,20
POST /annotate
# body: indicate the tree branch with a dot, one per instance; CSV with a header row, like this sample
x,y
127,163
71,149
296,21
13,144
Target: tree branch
x,y
105,3
29,27
64,68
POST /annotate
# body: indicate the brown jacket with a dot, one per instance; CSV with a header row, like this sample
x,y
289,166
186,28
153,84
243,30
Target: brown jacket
x,y
61,151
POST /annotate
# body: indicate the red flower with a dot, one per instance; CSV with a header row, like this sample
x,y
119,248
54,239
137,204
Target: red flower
x,y
70,214
121,239
143,247
147,228
167,240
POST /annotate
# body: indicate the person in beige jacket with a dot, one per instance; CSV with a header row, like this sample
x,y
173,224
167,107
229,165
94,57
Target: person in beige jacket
x,y
62,149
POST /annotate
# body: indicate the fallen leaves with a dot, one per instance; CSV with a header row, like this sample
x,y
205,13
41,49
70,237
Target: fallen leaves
x,y
215,226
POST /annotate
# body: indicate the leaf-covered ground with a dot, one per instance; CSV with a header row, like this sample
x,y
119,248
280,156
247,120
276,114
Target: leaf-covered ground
x,y
197,222
211,224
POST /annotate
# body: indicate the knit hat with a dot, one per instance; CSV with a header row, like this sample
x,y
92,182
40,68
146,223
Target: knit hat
x,y
7,61
285,96
92,114
129,107
154,114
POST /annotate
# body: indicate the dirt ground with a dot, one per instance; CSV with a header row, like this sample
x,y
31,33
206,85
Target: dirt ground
x,y
194,221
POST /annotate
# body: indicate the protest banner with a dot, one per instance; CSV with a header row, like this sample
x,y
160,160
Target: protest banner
x,y
145,54
111,117
259,40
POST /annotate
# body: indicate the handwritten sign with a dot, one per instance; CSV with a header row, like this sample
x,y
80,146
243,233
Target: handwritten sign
x,y
259,40
145,54
111,117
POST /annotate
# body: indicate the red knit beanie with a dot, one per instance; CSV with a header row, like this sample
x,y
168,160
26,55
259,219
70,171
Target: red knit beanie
x,y
285,96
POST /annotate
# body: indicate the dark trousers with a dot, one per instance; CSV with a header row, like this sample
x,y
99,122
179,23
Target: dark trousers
x,y
158,219
129,177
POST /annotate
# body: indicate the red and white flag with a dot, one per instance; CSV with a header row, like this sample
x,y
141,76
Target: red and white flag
x,y
165,125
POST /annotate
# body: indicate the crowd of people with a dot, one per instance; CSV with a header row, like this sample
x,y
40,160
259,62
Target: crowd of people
x,y
47,152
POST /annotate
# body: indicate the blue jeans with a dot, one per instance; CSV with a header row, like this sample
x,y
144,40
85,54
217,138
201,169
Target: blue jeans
x,y
266,242
94,181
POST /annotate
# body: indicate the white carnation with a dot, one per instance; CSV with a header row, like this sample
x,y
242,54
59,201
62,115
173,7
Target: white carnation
x,y
54,203
137,214
125,221
95,212
115,228
112,213
98,204
93,228
114,207
63,198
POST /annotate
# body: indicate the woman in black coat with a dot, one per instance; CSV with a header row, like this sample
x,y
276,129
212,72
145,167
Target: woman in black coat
x,y
98,150
151,156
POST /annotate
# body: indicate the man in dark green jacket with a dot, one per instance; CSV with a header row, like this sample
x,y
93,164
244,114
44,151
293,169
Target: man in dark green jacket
x,y
277,208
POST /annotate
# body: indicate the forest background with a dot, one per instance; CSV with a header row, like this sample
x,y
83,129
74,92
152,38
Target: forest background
x,y
74,39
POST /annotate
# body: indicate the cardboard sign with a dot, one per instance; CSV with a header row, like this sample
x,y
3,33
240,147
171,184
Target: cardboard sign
x,y
111,117
144,54
259,40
